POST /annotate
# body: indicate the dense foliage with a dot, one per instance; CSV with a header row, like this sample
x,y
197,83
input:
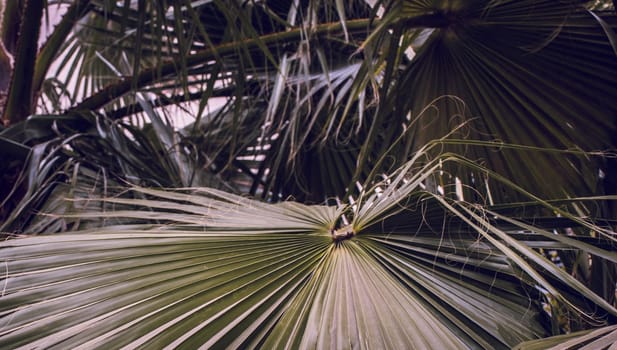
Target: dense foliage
x,y
421,173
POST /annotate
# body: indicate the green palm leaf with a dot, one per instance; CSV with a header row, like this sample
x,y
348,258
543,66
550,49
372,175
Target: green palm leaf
x,y
521,72
238,284
603,338
201,267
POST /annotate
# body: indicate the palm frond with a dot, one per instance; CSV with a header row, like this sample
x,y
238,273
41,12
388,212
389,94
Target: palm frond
x,y
429,128
516,61
603,338
200,267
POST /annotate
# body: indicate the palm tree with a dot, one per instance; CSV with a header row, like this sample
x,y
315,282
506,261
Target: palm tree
x,y
412,166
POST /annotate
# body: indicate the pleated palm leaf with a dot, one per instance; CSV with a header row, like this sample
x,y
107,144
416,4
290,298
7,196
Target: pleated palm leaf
x,y
200,267
601,339
516,71
322,100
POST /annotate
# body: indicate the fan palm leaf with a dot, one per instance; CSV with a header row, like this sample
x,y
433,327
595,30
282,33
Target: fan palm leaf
x,y
201,267
521,73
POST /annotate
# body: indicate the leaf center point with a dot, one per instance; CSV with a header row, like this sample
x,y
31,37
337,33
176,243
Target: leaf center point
x,y
342,233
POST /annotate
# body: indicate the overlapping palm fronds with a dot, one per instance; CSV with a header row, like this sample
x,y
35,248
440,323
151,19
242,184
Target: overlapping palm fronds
x,y
201,267
457,144
318,84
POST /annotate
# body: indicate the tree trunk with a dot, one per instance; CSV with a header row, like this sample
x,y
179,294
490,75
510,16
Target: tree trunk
x,y
6,66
